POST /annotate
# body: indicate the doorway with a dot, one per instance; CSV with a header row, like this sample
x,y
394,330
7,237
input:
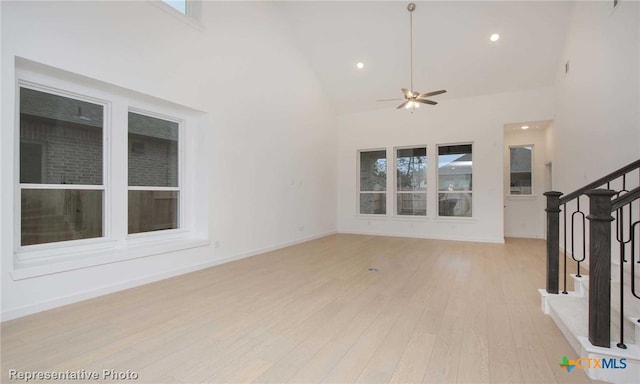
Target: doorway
x,y
526,178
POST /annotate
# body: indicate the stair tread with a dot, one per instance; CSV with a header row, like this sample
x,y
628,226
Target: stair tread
x,y
631,303
573,311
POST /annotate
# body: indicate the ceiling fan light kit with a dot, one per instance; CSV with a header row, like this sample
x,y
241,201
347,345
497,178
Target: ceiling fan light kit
x,y
413,99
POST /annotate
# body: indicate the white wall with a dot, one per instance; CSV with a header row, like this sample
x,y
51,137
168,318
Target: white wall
x,y
524,215
597,125
479,120
270,155
549,144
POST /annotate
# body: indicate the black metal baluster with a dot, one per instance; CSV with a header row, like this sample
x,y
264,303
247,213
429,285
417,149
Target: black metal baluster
x,y
584,240
633,266
622,244
564,245
620,218
601,209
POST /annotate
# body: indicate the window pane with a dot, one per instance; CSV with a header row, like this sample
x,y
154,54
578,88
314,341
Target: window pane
x,y
152,210
413,204
373,203
454,204
411,169
50,215
153,151
455,173
520,162
178,5
455,166
60,139
373,171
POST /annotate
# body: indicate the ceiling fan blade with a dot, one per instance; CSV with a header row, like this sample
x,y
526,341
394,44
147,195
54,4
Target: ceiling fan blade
x,y
407,93
389,99
423,95
425,101
402,105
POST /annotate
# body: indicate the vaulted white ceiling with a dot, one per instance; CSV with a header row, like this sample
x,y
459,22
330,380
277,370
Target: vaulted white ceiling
x,y
452,49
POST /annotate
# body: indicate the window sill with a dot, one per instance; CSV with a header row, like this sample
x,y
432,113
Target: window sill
x,y
25,269
373,216
443,219
521,197
447,219
410,218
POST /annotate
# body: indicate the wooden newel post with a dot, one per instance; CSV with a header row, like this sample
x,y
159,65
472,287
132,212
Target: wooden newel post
x,y
553,240
600,266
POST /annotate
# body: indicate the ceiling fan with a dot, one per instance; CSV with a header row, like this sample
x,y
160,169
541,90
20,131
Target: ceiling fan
x,y
413,99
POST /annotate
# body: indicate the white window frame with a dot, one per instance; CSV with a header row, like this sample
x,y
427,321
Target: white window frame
x,y
532,170
115,245
438,191
395,181
187,6
35,251
179,188
359,192
192,16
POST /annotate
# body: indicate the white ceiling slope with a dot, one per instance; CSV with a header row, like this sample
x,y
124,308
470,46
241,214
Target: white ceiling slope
x,y
452,50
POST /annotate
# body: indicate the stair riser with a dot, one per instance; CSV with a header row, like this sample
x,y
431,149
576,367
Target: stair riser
x,y
556,307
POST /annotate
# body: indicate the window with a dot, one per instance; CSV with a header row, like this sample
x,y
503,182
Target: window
x,y
520,169
373,182
411,181
153,173
455,166
178,5
102,173
61,167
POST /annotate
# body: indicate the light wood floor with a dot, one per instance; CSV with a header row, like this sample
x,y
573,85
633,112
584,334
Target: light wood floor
x,y
435,312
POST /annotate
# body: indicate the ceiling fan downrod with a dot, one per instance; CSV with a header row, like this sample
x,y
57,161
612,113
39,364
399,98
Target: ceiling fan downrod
x,y
412,99
411,7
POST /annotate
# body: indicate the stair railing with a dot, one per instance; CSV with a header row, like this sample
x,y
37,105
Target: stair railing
x,y
626,201
598,219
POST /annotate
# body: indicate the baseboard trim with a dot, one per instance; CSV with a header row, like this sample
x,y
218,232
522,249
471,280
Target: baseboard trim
x,y
524,235
430,237
90,294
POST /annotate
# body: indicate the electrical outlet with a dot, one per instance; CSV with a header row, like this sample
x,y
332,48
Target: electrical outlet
x,y
216,244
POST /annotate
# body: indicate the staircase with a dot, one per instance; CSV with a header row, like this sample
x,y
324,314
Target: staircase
x,y
597,229
570,313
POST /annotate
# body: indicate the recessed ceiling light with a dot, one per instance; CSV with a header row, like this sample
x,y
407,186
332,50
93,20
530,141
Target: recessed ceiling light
x,y
494,37
360,65
525,127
